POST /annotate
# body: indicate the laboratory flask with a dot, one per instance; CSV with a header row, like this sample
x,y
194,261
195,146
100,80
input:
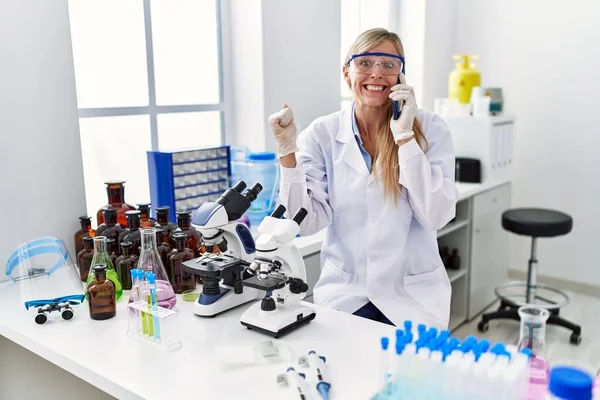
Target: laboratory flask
x,y
257,167
150,261
533,329
101,257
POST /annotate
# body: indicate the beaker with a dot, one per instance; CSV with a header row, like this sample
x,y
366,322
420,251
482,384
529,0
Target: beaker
x,y
533,329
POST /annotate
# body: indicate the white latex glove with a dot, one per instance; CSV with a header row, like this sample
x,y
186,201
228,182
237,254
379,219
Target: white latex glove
x,y
284,130
402,128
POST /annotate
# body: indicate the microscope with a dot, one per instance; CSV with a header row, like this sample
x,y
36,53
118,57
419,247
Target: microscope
x,y
278,269
229,250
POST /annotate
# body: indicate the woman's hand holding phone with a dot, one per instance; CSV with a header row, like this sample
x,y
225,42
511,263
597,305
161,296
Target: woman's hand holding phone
x,y
405,96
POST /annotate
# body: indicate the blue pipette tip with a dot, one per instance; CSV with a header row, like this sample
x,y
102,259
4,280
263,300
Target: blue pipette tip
x,y
399,333
323,389
399,348
408,326
421,328
409,337
498,349
484,345
471,339
150,277
453,342
385,343
433,333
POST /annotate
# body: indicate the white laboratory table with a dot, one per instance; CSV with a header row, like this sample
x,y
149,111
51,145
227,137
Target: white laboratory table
x,y
100,353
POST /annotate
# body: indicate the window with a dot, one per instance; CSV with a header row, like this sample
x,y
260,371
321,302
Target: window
x,y
357,17
148,75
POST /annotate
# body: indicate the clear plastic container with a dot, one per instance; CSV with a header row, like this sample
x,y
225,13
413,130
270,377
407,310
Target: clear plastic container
x,y
254,168
533,329
43,280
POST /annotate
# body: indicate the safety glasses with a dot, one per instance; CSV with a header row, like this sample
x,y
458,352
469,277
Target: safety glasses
x,y
365,63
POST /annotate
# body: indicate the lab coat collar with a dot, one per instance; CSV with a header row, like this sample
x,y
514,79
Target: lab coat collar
x,y
350,153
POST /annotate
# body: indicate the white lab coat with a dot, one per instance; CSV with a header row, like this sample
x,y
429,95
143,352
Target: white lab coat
x,y
375,250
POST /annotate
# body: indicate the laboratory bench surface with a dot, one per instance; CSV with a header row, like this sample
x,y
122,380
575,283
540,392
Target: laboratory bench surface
x,y
100,353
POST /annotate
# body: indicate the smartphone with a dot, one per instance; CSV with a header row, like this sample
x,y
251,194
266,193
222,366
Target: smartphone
x,y
397,108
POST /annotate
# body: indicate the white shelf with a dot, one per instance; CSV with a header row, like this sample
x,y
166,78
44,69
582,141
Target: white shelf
x,y
452,226
456,321
456,274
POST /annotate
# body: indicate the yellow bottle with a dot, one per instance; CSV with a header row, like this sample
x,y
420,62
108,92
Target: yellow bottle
x,y
463,78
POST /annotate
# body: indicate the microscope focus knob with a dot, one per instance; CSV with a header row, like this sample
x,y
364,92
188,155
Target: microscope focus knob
x,y
298,286
268,304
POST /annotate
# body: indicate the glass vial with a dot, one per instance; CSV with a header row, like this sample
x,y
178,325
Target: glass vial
x,y
162,217
145,220
110,228
84,258
115,191
132,232
101,257
180,279
101,295
85,231
125,263
150,261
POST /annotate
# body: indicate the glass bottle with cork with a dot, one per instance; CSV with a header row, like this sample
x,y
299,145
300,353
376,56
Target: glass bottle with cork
x,y
115,191
132,232
84,258
145,220
110,228
101,257
180,279
101,295
125,263
85,231
162,218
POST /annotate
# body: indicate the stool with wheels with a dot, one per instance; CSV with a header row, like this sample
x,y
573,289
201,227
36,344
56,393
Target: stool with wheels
x,y
536,223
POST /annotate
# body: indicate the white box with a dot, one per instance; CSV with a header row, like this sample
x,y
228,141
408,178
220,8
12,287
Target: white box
x,y
488,139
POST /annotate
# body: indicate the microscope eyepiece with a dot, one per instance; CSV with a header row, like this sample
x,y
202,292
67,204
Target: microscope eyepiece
x,y
300,215
252,193
278,212
238,187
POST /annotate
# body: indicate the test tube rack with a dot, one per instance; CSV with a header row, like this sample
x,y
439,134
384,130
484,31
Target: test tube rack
x,y
143,326
184,180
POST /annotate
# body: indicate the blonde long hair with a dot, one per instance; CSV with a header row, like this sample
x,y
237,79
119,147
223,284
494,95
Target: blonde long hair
x,y
386,153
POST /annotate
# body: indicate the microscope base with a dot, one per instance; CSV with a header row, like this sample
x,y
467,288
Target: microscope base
x,y
279,322
228,301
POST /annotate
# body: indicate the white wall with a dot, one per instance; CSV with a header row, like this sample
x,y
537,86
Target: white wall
x,y
545,54
279,57
40,151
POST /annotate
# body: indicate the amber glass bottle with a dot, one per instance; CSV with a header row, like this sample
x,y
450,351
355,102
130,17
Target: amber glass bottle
x,y
162,217
163,248
86,230
101,295
184,224
116,198
180,279
145,220
125,263
112,249
84,257
132,232
110,228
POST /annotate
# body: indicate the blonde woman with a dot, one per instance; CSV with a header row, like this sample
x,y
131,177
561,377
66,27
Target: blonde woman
x,y
380,186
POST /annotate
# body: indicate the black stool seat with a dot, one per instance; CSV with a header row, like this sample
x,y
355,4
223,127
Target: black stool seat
x,y
537,222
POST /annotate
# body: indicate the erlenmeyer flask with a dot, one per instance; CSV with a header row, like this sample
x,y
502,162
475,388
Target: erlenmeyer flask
x,y
101,257
533,329
150,261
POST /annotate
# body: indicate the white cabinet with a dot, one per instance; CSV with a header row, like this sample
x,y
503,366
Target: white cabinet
x,y
489,247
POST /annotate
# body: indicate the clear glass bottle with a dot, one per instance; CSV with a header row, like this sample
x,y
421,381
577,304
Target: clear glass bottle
x,y
86,230
145,220
84,258
112,249
533,329
180,279
110,228
115,191
101,257
101,295
150,261
125,263
132,232
162,218
162,247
